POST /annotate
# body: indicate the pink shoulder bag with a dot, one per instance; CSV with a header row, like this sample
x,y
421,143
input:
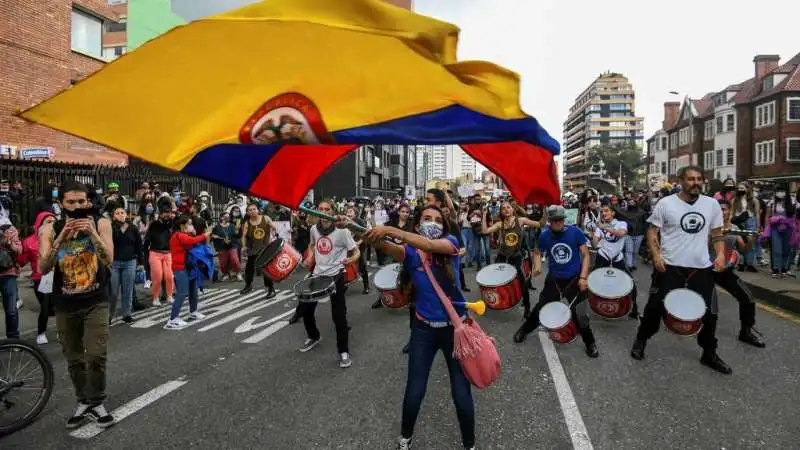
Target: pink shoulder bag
x,y
472,348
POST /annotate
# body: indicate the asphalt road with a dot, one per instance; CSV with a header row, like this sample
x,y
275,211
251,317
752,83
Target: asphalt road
x,y
236,380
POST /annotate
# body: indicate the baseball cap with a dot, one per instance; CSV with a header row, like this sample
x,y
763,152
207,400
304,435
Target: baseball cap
x,y
556,212
113,185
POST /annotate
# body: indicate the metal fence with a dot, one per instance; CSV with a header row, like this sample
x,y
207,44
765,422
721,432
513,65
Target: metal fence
x,y
37,177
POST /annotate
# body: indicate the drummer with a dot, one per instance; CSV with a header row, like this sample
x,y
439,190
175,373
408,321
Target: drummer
x,y
333,248
568,262
609,238
681,259
511,244
259,231
729,280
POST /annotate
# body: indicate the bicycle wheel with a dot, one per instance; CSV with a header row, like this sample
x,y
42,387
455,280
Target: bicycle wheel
x,y
25,371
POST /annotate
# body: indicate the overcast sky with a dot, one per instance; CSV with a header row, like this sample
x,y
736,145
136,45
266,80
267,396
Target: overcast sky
x,y
559,47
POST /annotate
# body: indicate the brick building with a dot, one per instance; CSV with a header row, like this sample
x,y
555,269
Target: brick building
x,y
748,130
46,46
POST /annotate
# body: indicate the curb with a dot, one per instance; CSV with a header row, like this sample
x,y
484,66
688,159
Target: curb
x,y
781,299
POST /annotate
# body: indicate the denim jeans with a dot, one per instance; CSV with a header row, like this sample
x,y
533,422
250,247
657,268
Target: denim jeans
x,y
183,287
8,292
425,343
466,236
750,257
480,251
123,275
632,244
781,249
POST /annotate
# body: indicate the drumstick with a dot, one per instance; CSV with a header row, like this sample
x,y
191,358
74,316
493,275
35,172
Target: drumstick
x,y
351,225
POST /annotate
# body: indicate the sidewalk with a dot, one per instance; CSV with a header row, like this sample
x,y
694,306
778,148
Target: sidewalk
x,y
781,292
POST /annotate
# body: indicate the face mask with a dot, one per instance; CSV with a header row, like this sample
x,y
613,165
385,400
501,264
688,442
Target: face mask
x,y
148,210
741,192
431,230
236,214
780,194
54,194
80,213
728,188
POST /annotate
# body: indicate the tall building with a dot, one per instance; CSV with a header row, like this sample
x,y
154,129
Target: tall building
x,y
603,113
448,162
138,21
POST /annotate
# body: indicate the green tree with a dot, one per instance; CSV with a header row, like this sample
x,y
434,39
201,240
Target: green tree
x,y
628,156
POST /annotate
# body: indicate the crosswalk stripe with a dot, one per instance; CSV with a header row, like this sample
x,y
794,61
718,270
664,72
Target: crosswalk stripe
x,y
273,326
232,300
285,296
215,297
236,304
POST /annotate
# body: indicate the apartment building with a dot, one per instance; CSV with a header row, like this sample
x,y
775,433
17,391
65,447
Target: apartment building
x,y
603,113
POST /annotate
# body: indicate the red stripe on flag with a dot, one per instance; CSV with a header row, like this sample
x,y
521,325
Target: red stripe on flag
x,y
529,171
294,169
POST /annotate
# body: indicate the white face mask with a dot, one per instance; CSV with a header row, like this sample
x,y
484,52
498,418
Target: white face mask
x,y
780,194
431,230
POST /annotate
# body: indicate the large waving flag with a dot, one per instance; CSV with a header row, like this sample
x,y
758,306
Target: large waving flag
x,y
264,99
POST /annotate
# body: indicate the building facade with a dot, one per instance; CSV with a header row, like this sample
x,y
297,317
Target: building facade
x,y
603,114
138,21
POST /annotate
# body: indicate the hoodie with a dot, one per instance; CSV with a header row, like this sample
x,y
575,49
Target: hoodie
x,y
30,247
9,239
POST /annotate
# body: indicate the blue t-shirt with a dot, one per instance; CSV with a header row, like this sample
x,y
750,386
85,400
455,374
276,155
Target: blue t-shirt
x,y
426,301
563,251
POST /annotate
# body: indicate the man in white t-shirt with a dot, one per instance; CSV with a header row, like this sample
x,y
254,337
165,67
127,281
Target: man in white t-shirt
x,y
609,237
333,248
685,221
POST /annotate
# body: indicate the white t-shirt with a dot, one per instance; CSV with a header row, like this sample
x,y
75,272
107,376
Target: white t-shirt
x,y
685,229
611,246
331,250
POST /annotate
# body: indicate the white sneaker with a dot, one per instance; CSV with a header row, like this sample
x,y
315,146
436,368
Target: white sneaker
x,y
175,324
170,300
309,344
224,278
41,339
239,277
147,284
403,443
197,315
19,304
156,302
344,360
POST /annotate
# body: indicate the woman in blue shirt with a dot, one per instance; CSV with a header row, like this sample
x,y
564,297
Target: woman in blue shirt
x,y
431,330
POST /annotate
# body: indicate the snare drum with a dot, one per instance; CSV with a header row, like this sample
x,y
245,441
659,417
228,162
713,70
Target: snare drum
x,y
350,272
499,286
685,311
557,318
387,282
315,289
610,292
281,260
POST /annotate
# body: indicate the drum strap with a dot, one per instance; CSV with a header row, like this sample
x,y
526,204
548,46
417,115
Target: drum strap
x,y
686,278
561,292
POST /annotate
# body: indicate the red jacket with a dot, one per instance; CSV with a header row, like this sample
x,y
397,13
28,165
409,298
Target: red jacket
x,y
179,244
30,247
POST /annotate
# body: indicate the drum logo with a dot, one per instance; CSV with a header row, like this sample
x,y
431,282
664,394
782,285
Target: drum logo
x,y
511,240
608,308
556,336
283,263
693,222
258,234
609,273
289,118
324,245
561,252
491,297
388,299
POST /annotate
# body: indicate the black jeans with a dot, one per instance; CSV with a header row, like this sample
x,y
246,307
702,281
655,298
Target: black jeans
x,y
45,308
731,282
516,261
362,266
552,291
698,280
601,261
250,274
307,311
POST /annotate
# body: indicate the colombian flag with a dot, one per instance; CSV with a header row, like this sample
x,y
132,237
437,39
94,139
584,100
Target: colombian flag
x,y
264,99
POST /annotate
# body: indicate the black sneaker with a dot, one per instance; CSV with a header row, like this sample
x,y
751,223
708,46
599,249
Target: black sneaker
x,y
751,336
405,349
79,417
128,319
637,352
270,294
520,336
712,360
100,416
591,350
246,290
377,305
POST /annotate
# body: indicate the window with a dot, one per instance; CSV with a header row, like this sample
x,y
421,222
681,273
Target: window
x,y
765,115
664,167
729,157
793,109
683,136
664,143
652,168
673,140
719,125
112,27
793,149
673,163
765,152
709,160
719,161
709,131
729,126
87,34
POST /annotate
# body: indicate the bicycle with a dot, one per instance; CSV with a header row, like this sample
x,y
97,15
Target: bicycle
x,y
32,377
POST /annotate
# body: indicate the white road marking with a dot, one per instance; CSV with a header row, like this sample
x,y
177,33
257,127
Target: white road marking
x,y
208,299
286,296
229,302
91,430
269,331
572,416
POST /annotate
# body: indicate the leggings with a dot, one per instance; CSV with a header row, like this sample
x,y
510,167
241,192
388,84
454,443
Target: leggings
x,y
161,270
45,308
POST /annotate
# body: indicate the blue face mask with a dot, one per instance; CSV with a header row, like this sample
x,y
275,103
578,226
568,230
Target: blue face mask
x,y
148,210
54,193
431,230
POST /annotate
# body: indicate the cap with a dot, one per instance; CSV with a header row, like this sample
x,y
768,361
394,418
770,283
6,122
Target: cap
x,y
113,185
556,212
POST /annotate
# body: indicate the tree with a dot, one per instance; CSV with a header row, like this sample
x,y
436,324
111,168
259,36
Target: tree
x,y
628,156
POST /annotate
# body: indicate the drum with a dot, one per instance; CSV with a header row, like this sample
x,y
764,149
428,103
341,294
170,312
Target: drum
x,y
499,286
350,272
315,289
387,282
610,292
281,259
685,311
557,318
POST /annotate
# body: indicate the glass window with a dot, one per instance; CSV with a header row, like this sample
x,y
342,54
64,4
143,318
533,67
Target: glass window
x,y
729,125
87,34
729,156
